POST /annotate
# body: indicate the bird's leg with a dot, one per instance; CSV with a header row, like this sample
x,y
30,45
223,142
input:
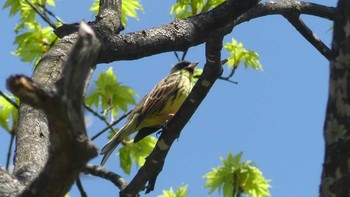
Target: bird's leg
x,y
164,127
170,116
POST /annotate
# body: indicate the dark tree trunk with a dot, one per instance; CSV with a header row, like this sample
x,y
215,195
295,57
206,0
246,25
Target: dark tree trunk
x,y
336,168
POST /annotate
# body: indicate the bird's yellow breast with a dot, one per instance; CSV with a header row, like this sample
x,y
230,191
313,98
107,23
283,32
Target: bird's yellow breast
x,y
172,104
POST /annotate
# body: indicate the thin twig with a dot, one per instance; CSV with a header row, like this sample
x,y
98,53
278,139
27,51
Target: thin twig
x,y
184,55
228,80
224,61
42,15
9,153
95,113
9,100
98,116
177,56
52,14
80,188
307,33
111,125
99,171
233,70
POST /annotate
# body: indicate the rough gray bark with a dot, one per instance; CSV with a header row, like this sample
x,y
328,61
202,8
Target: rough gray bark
x,y
70,148
336,167
40,145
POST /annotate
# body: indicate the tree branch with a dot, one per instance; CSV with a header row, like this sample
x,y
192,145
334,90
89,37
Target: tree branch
x,y
81,188
155,161
285,7
51,14
9,185
336,172
9,100
111,125
9,152
99,171
103,119
305,31
179,35
32,135
149,172
62,103
42,15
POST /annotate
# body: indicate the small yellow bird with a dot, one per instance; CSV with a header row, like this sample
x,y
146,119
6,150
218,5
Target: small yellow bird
x,y
159,105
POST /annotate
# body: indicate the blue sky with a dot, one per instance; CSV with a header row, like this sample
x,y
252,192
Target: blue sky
x,y
275,117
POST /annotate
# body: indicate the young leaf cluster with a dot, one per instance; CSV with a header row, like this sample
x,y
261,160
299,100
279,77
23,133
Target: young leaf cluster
x,y
129,9
185,8
110,94
235,178
181,192
32,40
136,152
239,54
8,113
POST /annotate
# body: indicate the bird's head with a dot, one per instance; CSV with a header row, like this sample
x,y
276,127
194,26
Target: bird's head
x,y
184,65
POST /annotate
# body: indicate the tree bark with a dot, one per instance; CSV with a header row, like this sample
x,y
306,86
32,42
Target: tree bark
x,y
336,167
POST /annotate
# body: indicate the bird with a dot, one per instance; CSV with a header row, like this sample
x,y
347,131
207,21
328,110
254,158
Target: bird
x,y
156,108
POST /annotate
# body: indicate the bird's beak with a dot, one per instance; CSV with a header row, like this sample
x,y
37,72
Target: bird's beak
x,y
192,65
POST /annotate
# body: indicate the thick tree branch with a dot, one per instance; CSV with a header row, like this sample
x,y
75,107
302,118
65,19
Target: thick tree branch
x,y
99,171
305,31
62,103
109,17
32,135
179,35
335,178
285,7
9,185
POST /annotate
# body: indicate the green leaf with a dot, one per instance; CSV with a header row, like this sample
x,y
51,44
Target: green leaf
x,y
125,159
129,9
110,94
136,152
181,192
14,6
234,178
8,113
34,43
240,54
185,8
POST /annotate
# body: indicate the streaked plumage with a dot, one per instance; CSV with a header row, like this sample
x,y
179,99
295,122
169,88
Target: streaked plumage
x,y
153,110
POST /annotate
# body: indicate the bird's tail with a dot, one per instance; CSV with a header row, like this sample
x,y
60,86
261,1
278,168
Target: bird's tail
x,y
108,149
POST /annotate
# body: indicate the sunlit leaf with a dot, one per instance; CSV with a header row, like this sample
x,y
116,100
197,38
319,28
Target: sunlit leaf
x,y
136,152
180,192
234,178
31,45
110,94
185,8
238,55
8,113
129,9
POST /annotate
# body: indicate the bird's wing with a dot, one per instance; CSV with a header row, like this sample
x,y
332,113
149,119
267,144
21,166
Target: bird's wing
x,y
156,99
